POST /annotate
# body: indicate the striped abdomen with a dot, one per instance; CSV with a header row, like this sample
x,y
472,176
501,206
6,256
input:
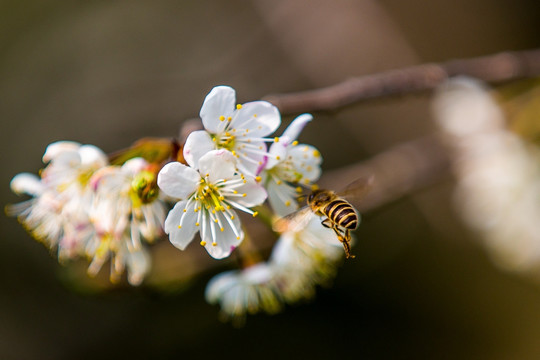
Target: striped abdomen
x,y
341,213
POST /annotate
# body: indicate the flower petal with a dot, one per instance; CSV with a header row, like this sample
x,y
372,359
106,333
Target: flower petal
x,y
260,117
178,180
134,166
297,125
255,194
277,150
181,237
138,265
220,284
306,160
92,155
197,144
226,240
282,198
219,102
59,147
26,183
218,164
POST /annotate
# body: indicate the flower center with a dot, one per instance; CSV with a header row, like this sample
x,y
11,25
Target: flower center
x,y
224,140
210,197
144,188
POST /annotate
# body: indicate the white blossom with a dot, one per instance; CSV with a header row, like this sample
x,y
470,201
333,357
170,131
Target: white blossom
x,y
246,291
288,165
241,129
126,211
305,258
57,213
208,197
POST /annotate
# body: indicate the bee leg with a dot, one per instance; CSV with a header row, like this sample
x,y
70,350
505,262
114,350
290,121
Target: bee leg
x,y
345,237
327,223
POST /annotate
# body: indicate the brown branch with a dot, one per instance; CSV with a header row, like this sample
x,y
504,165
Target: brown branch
x,y
493,68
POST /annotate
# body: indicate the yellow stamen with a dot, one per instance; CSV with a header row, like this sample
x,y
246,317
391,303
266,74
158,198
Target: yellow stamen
x,y
238,106
276,139
294,143
221,118
255,213
214,243
203,243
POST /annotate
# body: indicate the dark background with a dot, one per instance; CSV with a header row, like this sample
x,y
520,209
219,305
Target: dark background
x,y
111,72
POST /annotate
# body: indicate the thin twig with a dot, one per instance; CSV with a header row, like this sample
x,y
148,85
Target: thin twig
x,y
493,68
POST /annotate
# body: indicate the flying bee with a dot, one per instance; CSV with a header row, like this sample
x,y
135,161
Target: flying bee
x,y
339,215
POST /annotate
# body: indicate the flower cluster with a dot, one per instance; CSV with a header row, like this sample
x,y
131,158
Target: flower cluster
x,y
84,207
230,168
299,262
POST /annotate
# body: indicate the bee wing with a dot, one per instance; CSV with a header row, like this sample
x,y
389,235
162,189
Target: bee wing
x,y
294,221
358,188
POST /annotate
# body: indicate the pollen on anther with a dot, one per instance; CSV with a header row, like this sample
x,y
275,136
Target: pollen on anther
x,y
258,178
254,115
238,238
185,210
276,139
221,118
238,106
278,157
244,195
179,226
229,118
222,229
287,203
295,142
203,243
298,189
214,243
232,217
255,213
215,220
279,182
235,191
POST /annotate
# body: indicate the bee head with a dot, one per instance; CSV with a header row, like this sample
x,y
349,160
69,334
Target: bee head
x,y
319,197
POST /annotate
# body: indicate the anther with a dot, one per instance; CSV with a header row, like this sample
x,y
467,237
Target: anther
x,y
238,106
214,243
287,203
179,226
197,224
276,139
258,178
222,229
255,213
203,243
295,142
221,118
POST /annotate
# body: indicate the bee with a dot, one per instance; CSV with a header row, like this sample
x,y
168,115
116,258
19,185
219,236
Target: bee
x,y
339,215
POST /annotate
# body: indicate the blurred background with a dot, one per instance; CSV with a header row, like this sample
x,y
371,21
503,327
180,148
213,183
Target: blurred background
x,y
108,73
